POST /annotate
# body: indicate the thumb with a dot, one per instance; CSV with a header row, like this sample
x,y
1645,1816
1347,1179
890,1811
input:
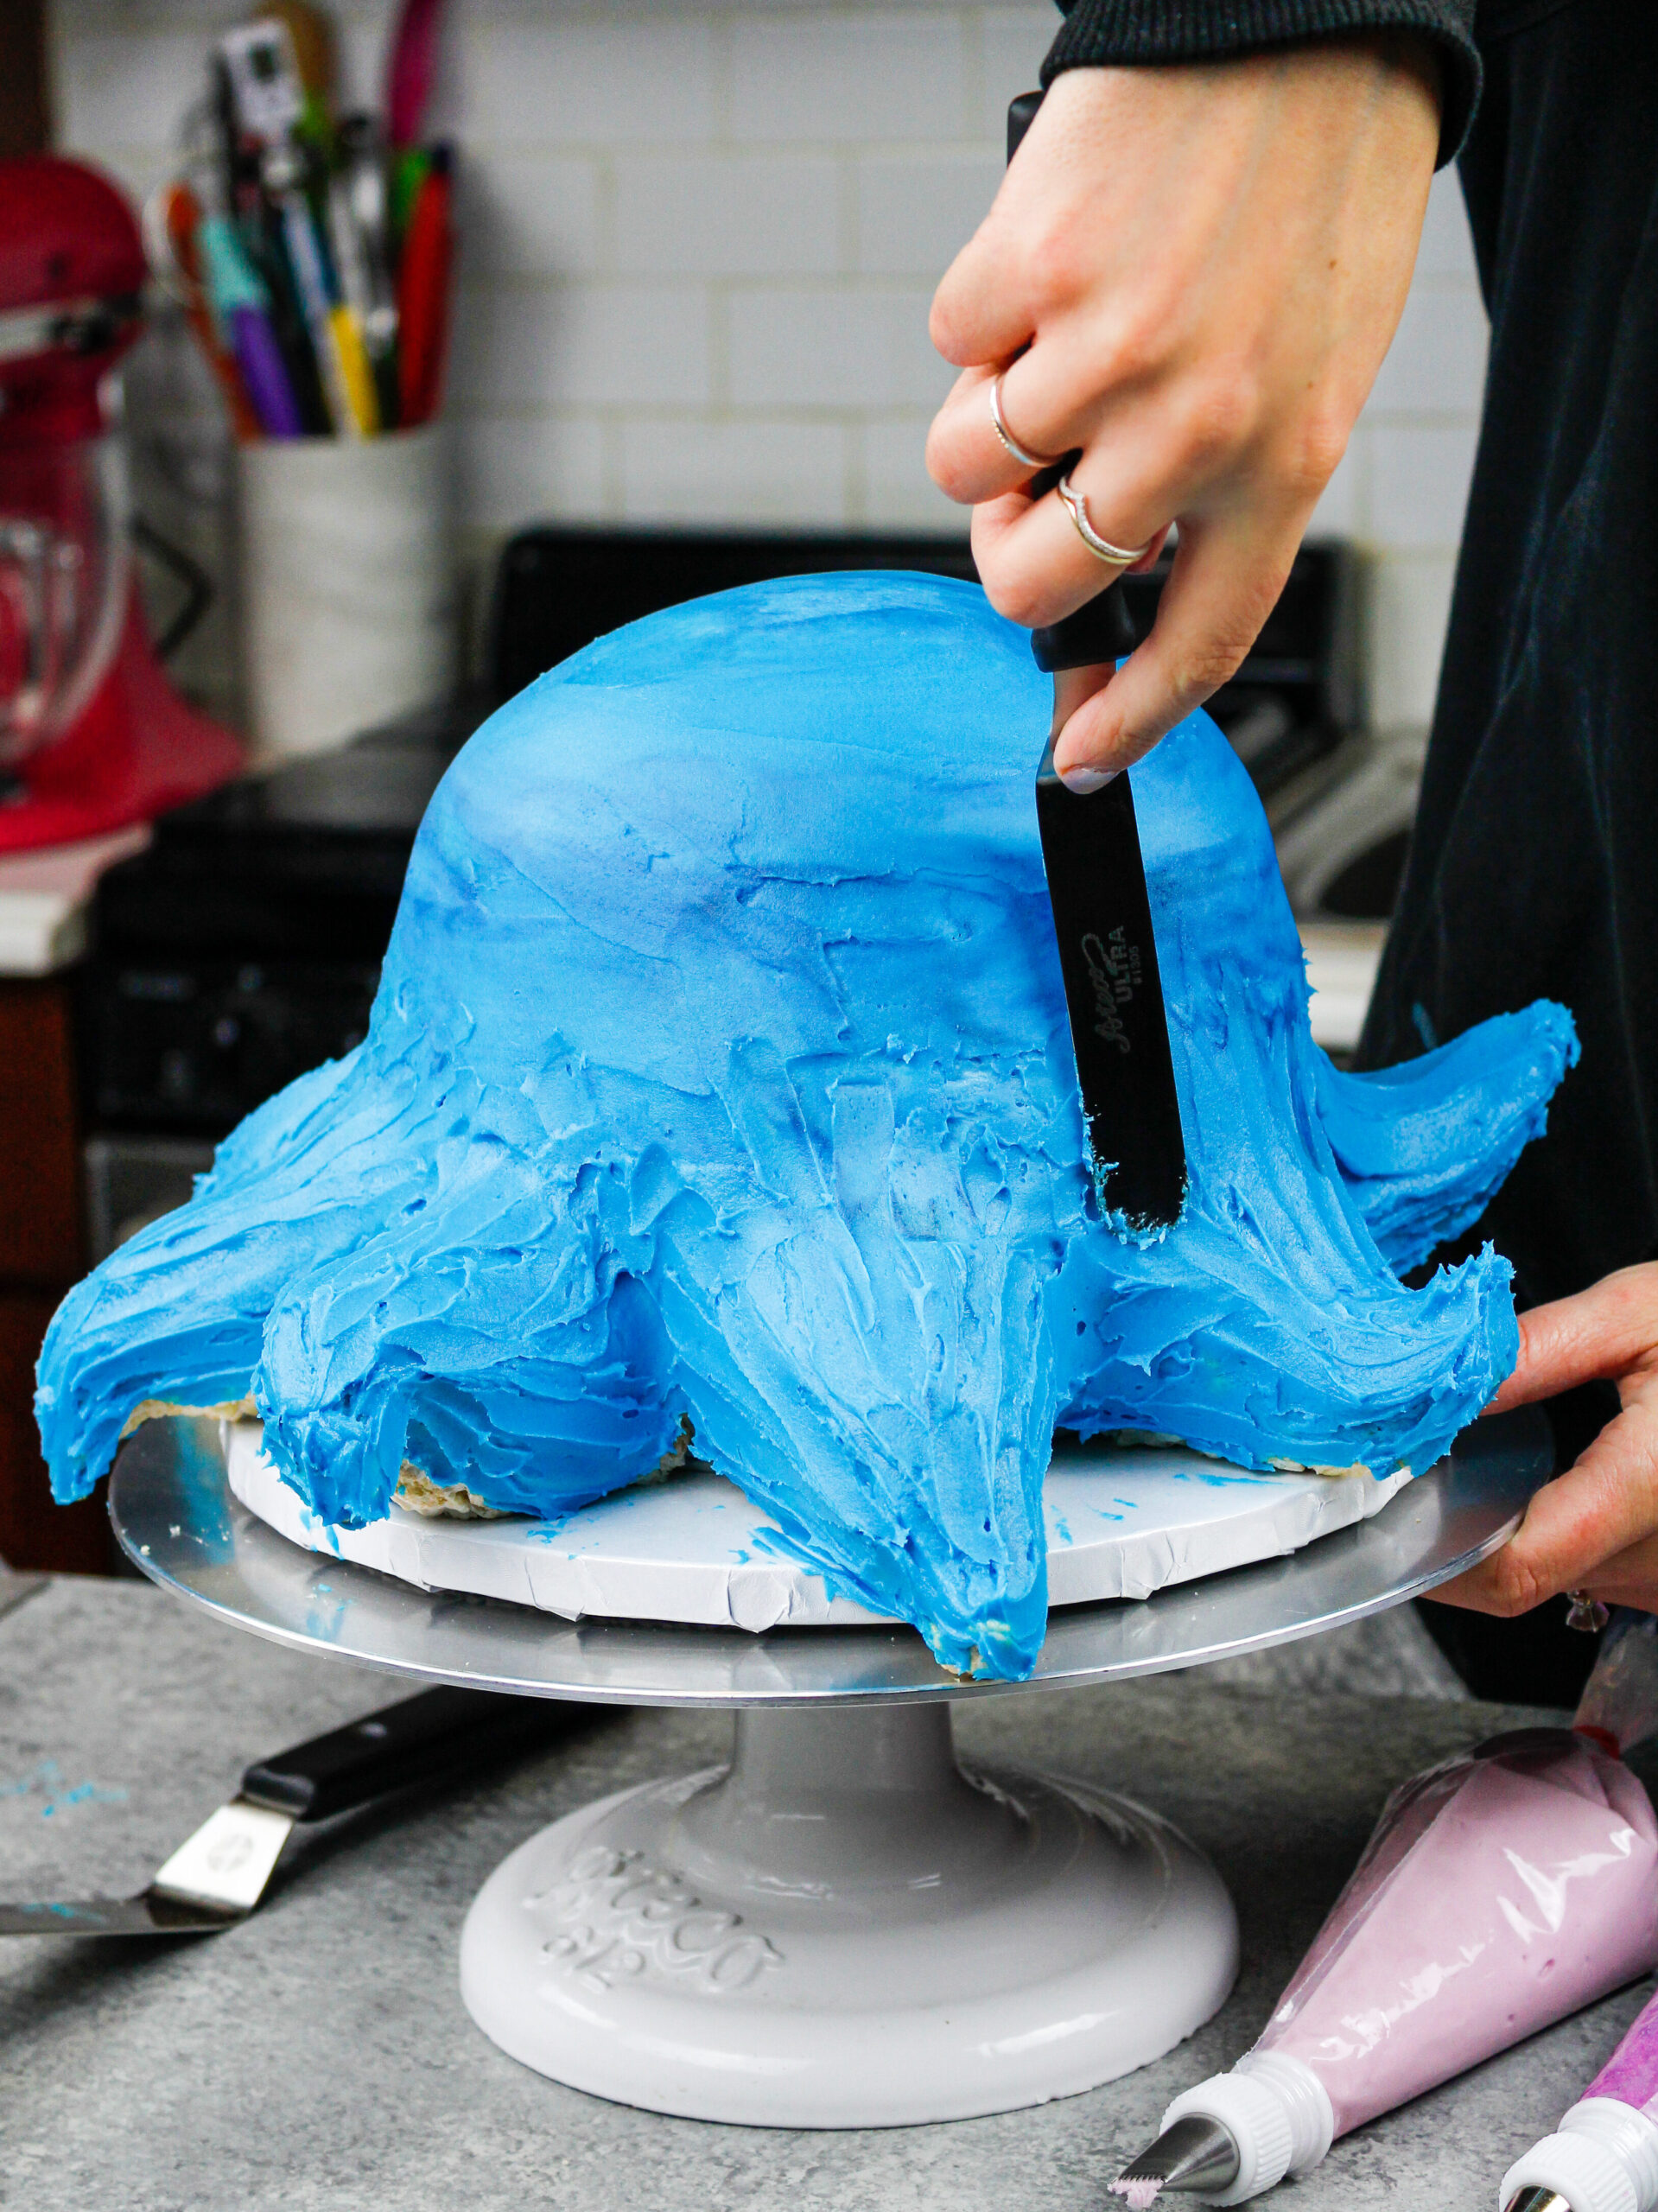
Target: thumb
x,y
1602,1332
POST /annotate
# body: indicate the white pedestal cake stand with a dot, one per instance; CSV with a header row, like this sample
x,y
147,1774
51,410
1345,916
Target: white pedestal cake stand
x,y
842,1927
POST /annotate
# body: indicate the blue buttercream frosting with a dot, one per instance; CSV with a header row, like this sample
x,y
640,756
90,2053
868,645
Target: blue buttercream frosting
x,y
720,1068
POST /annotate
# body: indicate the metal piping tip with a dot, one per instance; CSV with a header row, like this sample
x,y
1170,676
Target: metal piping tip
x,y
1197,2152
1539,2200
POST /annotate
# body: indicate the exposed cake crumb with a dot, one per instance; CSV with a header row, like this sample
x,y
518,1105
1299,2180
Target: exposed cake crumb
x,y
165,1409
418,1493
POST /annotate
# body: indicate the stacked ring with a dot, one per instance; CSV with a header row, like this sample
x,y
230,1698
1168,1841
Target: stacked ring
x,y
1034,461
1116,556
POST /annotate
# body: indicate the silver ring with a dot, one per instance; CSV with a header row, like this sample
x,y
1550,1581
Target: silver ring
x,y
1119,556
1034,461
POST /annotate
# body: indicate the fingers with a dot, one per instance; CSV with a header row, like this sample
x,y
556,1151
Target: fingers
x,y
1595,1527
1190,278
965,458
1628,1579
1035,567
982,310
1224,583
1585,1522
1610,1328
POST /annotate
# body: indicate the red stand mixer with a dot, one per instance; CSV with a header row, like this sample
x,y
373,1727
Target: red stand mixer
x,y
92,736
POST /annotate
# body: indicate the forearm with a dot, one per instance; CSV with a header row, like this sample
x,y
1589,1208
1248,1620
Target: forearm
x,y
1098,32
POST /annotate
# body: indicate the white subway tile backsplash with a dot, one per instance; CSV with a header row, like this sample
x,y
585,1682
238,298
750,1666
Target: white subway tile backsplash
x,y
897,491
578,345
1436,364
752,472
1340,510
699,243
127,94
1015,41
1447,249
137,170
631,344
1409,602
917,212
727,215
71,20
509,472
615,81
360,42
529,215
841,348
1417,499
821,76
500,342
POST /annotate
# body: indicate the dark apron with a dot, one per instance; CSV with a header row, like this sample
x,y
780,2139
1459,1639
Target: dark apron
x,y
1534,867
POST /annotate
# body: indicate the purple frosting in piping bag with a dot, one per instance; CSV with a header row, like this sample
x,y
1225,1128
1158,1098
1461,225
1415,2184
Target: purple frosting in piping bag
x,y
1630,2074
1603,2157
1501,1891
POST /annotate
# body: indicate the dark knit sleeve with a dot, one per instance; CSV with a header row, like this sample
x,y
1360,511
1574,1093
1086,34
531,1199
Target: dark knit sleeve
x,y
1101,32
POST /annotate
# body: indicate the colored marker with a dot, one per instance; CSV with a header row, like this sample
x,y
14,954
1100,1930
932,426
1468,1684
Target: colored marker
x,y
311,285
172,216
242,305
423,294
410,69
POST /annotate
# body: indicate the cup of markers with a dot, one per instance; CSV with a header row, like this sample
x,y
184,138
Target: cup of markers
x,y
312,254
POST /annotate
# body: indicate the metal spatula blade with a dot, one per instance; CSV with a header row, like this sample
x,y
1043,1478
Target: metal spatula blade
x,y
1114,995
214,1880
218,1877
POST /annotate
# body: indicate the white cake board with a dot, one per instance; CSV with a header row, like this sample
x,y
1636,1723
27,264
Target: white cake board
x,y
1121,1523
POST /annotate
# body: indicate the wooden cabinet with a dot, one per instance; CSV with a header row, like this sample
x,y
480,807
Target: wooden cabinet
x,y
42,1252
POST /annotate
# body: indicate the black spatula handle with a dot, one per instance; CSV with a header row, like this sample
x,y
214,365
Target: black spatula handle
x,y
1099,635
438,1734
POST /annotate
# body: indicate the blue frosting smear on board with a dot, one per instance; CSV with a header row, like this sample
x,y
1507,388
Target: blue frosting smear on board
x,y
720,1068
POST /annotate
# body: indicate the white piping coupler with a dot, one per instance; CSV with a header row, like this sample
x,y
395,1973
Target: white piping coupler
x,y
1603,2158
1275,2109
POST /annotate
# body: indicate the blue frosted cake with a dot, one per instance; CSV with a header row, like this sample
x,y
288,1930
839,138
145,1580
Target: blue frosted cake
x,y
719,1082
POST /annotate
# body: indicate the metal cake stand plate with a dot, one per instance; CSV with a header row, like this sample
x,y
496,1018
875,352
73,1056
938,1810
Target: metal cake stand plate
x,y
842,1927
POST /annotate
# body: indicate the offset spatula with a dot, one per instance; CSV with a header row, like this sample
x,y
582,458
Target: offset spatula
x,y
1102,925
219,1875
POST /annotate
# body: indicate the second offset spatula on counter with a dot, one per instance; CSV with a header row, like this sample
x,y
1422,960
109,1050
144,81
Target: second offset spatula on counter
x,y
218,1877
1103,927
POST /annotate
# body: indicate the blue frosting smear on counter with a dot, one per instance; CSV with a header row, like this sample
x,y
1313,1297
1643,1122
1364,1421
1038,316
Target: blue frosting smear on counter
x,y
720,1068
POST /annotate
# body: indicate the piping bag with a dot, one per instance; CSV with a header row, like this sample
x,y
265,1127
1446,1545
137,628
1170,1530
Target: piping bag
x,y
1103,927
1501,1891
1603,2156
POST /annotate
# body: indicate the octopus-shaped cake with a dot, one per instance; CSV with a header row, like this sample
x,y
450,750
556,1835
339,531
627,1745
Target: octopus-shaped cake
x,y
720,1075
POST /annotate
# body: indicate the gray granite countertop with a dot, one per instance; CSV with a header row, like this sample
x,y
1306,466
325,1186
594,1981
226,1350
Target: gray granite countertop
x,y
319,2054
